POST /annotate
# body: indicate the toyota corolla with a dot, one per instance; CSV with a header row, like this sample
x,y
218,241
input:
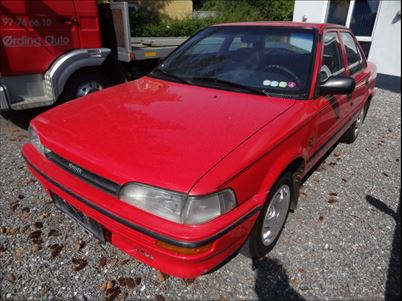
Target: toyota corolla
x,y
204,156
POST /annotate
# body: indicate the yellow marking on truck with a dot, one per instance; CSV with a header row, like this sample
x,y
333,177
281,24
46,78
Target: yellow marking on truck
x,y
150,53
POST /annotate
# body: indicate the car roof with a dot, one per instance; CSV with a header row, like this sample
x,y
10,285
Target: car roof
x,y
319,26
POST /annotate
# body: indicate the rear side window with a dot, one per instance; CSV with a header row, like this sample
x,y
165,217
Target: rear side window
x,y
331,61
355,61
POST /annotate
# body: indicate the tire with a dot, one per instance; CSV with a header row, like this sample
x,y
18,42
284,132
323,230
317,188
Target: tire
x,y
353,132
83,83
257,244
366,108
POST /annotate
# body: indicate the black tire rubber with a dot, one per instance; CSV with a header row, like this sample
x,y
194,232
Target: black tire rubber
x,y
349,137
366,108
71,87
254,247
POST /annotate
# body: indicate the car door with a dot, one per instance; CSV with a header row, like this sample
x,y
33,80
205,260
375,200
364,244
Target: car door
x,y
331,109
356,68
87,25
34,33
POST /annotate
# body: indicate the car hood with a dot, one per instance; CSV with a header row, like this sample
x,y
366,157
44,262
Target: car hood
x,y
155,132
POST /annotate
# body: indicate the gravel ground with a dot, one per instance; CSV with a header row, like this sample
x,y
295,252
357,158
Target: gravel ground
x,y
343,242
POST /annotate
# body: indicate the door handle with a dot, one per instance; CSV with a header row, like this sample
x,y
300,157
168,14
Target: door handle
x,y
366,82
71,21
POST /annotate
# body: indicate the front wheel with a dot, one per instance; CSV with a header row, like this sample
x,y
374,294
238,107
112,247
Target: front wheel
x,y
83,83
272,219
353,132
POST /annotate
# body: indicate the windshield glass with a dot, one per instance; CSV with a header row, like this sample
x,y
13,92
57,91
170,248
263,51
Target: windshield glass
x,y
272,60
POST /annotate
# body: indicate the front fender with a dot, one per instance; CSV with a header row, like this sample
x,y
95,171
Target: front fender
x,y
293,162
70,62
253,167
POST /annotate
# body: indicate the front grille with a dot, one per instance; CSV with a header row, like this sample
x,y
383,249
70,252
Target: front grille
x,y
85,175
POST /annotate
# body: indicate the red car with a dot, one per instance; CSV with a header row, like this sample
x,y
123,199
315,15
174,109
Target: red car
x,y
204,156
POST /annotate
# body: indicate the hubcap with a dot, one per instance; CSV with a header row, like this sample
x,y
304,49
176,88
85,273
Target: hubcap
x,y
88,87
359,122
276,215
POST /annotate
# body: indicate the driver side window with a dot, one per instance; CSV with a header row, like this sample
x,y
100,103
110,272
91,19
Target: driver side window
x,y
332,60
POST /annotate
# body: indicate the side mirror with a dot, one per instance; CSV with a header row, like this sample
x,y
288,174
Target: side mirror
x,y
337,85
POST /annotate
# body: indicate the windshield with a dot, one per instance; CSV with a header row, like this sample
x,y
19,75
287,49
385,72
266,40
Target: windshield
x,y
265,60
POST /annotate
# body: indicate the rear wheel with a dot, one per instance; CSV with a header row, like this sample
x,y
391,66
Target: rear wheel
x,y
353,132
83,83
272,219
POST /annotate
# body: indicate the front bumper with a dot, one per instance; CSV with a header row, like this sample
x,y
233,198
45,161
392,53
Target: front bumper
x,y
137,232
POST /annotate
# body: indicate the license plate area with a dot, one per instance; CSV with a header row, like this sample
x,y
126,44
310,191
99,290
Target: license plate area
x,y
92,226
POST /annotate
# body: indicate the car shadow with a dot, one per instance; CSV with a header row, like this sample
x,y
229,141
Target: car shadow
x,y
393,285
272,281
23,118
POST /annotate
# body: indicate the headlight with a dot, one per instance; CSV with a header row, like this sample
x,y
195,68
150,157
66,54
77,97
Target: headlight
x,y
205,208
177,207
35,140
157,201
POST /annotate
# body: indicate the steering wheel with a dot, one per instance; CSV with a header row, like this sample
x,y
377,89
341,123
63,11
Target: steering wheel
x,y
285,70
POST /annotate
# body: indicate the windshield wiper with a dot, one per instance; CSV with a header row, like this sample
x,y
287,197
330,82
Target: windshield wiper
x,y
170,75
232,84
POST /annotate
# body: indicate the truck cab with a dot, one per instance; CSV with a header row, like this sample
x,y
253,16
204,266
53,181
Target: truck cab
x,y
54,50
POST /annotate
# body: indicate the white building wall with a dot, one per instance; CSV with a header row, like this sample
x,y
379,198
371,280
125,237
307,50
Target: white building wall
x,y
385,49
314,10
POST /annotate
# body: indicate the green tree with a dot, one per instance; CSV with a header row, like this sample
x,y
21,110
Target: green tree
x,y
227,11
252,10
233,10
274,10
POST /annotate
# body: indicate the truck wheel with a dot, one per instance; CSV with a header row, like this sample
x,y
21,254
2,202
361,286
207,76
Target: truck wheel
x,y
272,219
351,134
84,83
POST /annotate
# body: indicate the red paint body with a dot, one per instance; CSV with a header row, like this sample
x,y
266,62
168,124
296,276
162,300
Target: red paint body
x,y
35,33
189,139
